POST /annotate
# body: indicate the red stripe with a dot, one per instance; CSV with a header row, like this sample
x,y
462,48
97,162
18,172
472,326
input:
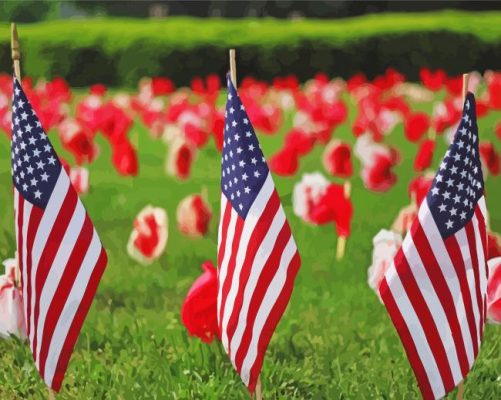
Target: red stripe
x,y
454,251
224,232
64,288
230,269
425,317
442,291
472,244
77,323
406,338
255,241
269,270
273,319
49,253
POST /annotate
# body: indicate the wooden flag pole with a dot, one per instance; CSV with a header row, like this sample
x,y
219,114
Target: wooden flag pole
x,y
466,81
16,61
341,242
233,75
460,391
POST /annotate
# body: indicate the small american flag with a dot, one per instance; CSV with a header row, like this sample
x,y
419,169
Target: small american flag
x,y
60,255
257,256
435,290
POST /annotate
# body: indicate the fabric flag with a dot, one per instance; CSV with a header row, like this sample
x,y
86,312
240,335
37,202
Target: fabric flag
x,y
435,289
257,257
60,255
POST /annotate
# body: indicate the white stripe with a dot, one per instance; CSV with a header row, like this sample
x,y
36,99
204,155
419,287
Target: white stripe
x,y
483,209
70,307
433,302
56,270
262,255
272,294
481,262
27,207
442,256
416,330
462,240
223,268
46,224
250,223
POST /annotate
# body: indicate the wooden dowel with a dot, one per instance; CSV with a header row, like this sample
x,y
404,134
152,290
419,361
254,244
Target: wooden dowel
x,y
341,242
466,81
15,50
233,67
52,394
259,393
460,391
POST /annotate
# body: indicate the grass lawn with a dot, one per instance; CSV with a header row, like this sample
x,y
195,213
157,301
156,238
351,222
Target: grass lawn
x,y
335,340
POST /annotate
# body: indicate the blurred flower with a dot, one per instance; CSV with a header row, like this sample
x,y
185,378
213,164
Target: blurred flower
x,y
415,126
494,291
424,156
490,158
385,246
149,235
79,177
199,310
161,86
194,215
493,245
12,320
405,218
433,80
124,158
285,162
180,159
337,159
419,187
78,141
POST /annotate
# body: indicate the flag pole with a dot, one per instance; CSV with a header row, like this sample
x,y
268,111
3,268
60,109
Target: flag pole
x,y
466,80
233,75
341,242
16,61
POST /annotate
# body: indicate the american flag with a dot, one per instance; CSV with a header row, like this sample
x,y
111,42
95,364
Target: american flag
x,y
60,255
435,290
257,256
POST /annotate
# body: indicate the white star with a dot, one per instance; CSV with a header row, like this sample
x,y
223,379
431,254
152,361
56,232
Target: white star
x,y
52,160
248,134
454,170
257,174
236,136
238,193
26,157
34,182
463,131
36,153
446,195
25,187
254,161
20,103
453,211
460,144
443,165
29,169
463,215
246,121
28,128
244,177
241,163
457,199
240,206
40,164
457,157
450,182
38,124
434,191
38,194
442,208
466,118
234,123
32,140
449,224
23,145
439,178
239,150
232,110
251,147
24,115
247,190
44,177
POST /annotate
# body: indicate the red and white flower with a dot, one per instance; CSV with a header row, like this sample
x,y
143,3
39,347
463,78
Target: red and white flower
x,y
149,235
194,215
12,321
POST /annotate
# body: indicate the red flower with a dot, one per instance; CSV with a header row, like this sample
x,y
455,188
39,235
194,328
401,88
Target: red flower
x,y
494,291
285,162
98,89
432,80
424,156
124,158
337,159
379,176
199,310
454,85
493,245
494,90
490,158
194,215
180,158
77,141
79,177
416,125
419,188
162,86
149,235
356,81
300,141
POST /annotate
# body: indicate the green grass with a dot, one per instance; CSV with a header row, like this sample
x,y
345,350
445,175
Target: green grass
x,y
335,340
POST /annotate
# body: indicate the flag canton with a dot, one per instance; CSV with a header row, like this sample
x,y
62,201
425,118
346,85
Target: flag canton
x,y
459,183
244,169
35,166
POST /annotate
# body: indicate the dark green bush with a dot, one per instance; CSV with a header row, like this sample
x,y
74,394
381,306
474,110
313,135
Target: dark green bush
x,y
120,52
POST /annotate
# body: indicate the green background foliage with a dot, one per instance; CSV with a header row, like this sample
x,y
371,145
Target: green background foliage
x,y
119,52
335,340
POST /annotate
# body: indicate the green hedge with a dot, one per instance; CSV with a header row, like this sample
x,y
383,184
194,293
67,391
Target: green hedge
x,y
120,51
